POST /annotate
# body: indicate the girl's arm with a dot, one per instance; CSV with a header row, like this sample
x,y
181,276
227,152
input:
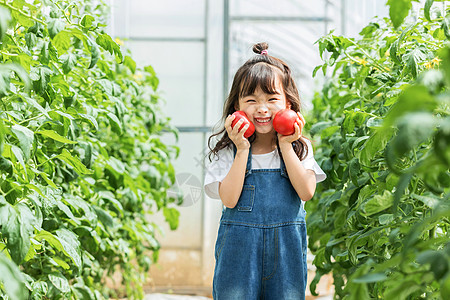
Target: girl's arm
x,y
231,186
303,180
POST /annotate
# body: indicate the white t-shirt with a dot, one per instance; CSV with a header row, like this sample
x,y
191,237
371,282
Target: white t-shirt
x,y
221,165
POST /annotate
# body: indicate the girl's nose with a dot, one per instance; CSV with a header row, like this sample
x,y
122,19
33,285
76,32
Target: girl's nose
x,y
262,108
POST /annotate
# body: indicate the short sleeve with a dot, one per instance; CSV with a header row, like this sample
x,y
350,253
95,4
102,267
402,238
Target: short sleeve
x,y
310,163
216,170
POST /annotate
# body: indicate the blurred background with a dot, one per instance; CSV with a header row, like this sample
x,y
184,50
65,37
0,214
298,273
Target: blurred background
x,y
195,47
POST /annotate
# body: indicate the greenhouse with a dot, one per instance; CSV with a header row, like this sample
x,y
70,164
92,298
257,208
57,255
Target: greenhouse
x,y
123,175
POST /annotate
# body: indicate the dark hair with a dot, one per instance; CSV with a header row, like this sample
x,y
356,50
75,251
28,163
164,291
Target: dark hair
x,y
259,71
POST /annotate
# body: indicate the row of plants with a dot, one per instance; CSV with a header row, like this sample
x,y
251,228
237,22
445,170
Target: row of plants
x,y
380,222
82,163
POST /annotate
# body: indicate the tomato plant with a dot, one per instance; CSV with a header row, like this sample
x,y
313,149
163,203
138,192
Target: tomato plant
x,y
382,119
82,163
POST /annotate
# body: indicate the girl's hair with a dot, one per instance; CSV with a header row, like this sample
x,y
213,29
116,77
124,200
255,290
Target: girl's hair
x,y
259,71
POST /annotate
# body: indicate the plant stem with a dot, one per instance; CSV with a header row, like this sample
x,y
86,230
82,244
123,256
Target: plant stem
x,y
21,12
369,57
8,54
33,118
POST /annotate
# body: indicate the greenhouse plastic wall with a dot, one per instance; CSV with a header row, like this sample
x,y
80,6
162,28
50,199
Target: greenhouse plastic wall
x,y
195,46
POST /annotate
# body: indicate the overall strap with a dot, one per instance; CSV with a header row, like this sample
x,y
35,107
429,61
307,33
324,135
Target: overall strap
x,y
283,167
248,170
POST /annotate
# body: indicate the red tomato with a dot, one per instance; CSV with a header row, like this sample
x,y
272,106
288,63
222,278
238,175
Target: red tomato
x,y
284,121
241,115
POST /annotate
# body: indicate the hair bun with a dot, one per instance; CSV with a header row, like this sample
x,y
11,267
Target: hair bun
x,y
260,47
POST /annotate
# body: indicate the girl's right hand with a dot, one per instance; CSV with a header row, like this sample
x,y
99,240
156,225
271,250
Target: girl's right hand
x,y
236,135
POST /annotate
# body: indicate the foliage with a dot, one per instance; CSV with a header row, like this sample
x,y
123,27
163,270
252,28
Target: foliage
x,y
381,222
82,163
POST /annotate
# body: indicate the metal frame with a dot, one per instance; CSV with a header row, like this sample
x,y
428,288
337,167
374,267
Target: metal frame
x,y
226,31
204,130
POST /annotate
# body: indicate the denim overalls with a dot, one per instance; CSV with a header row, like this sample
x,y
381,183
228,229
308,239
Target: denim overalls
x,y
261,244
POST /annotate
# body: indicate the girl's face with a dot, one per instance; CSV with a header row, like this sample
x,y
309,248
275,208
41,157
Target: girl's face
x,y
261,107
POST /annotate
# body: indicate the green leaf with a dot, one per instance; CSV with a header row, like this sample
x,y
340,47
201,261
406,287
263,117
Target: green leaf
x,y
17,229
393,50
70,244
445,26
130,63
95,53
106,42
18,155
413,129
55,26
55,136
11,277
371,277
74,162
172,217
115,123
84,208
354,170
375,144
25,137
401,290
60,282
116,165
62,42
41,78
427,8
20,72
91,120
415,98
63,207
6,166
445,287
87,21
5,18
385,219
60,262
2,135
104,216
39,290
319,127
398,10
437,260
68,60
378,203
36,105
413,58
51,239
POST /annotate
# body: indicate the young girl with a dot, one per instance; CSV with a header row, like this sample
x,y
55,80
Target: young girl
x,y
261,245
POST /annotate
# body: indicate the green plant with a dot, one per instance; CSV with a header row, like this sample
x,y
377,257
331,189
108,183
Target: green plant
x,y
82,163
381,222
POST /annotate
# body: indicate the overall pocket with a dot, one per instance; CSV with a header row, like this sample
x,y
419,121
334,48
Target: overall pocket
x,y
247,198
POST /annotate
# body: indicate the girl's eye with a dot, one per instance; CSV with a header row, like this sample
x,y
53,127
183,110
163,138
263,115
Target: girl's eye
x,y
273,99
250,100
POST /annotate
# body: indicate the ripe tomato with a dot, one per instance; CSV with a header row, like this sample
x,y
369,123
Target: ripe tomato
x,y
284,121
241,115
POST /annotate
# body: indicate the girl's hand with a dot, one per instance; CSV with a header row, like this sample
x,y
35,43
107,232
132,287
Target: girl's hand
x,y
298,126
236,135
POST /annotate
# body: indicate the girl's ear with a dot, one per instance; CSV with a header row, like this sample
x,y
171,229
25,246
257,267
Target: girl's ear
x,y
288,105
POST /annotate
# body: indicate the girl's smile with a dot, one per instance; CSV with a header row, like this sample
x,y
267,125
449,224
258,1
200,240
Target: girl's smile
x,y
263,121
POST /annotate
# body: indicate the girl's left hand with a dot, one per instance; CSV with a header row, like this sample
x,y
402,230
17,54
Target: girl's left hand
x,y
298,126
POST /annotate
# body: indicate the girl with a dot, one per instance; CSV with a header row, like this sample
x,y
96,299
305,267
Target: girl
x,y
261,244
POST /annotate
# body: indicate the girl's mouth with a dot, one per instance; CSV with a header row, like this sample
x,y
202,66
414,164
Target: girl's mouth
x,y
262,121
